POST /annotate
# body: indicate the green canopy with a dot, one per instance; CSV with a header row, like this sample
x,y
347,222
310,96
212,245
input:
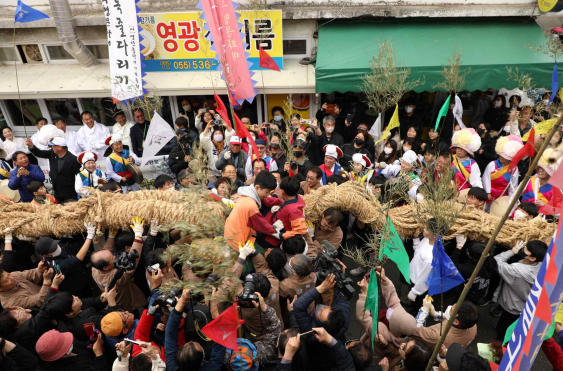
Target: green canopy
x,y
487,46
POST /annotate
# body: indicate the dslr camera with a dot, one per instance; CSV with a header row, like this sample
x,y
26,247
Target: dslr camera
x,y
170,299
199,297
325,263
247,296
123,262
294,166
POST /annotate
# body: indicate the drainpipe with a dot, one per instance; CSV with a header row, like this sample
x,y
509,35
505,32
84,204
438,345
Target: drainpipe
x,y
66,29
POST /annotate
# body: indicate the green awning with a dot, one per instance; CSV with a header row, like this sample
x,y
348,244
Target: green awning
x,y
488,46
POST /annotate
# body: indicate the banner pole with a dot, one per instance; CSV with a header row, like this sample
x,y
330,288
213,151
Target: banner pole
x,y
17,81
490,248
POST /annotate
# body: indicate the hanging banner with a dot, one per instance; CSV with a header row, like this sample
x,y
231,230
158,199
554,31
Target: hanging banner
x,y
176,41
123,44
550,5
539,311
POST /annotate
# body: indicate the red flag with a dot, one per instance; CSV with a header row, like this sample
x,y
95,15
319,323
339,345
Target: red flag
x,y
527,150
266,61
223,329
232,100
554,205
242,132
222,111
556,179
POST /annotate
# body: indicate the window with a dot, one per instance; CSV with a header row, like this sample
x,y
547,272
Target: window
x,y
103,109
8,56
296,48
30,108
58,53
66,109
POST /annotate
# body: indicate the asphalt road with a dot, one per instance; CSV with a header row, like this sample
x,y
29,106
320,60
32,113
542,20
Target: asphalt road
x,y
485,326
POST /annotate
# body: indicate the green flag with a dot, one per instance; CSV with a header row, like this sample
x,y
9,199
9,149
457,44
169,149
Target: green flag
x,y
443,112
372,304
392,246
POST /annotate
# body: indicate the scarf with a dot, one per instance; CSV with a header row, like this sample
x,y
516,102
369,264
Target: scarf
x,y
219,145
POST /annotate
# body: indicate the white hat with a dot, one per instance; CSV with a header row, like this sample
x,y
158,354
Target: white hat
x,y
361,159
235,140
508,146
544,162
86,156
333,151
114,139
410,157
467,139
57,141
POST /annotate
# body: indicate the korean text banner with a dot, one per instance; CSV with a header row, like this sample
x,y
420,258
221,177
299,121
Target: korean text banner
x,y
123,44
176,41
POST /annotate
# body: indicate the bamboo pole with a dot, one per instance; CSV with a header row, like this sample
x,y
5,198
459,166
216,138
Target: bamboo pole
x,y
489,248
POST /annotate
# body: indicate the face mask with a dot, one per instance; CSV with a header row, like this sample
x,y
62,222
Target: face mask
x,y
187,107
406,149
57,252
253,137
70,350
359,141
275,146
218,137
298,153
507,129
520,215
169,189
329,129
480,131
497,104
408,109
387,150
446,314
277,118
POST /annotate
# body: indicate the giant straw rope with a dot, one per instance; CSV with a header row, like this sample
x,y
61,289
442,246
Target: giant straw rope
x,y
108,210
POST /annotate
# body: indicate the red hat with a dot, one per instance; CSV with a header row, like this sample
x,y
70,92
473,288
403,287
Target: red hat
x,y
53,345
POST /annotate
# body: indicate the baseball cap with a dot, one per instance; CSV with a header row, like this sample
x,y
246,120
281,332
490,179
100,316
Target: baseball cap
x,y
112,324
235,140
260,142
46,245
57,141
300,143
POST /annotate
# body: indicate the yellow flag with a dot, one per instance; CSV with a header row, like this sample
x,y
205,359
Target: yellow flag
x,y
559,315
394,123
541,128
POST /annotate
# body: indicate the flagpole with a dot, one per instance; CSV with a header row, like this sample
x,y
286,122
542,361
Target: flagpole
x,y
17,81
489,249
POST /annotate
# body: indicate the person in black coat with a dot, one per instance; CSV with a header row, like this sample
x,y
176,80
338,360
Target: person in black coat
x,y
63,167
138,132
486,152
180,155
357,146
16,358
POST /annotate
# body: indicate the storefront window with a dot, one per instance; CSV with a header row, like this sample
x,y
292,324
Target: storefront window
x,y
103,109
58,52
165,111
30,108
66,109
7,54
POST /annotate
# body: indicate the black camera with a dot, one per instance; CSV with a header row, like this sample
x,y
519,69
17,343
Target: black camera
x,y
170,299
294,166
199,297
123,262
247,296
325,264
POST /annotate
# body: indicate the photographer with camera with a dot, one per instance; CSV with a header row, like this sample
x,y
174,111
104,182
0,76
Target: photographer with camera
x,y
76,282
120,269
191,355
300,164
213,142
159,270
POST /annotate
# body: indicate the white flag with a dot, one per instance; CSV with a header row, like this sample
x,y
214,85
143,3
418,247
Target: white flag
x,y
158,136
375,130
458,112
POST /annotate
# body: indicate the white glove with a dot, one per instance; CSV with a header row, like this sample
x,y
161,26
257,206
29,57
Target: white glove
x,y
311,230
8,238
382,165
246,250
227,155
460,240
278,225
275,209
519,245
138,226
428,306
91,230
154,227
412,296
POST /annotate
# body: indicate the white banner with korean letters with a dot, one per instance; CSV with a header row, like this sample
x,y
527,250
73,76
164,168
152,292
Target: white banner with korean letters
x,y
123,44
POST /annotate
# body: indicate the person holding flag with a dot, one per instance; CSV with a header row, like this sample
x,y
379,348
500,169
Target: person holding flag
x,y
117,161
538,189
498,180
466,171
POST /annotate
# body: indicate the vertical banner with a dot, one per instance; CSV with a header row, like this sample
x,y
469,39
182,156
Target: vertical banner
x,y
123,44
539,311
223,25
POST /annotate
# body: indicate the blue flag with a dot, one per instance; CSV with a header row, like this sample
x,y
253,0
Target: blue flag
x,y
444,275
554,83
25,13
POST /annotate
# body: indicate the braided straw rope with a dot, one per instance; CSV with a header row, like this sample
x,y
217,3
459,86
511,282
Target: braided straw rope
x,y
350,197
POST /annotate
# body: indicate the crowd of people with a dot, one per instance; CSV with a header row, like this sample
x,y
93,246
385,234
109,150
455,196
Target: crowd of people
x,y
69,303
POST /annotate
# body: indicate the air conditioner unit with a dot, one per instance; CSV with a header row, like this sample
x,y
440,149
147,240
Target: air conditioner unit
x,y
32,53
